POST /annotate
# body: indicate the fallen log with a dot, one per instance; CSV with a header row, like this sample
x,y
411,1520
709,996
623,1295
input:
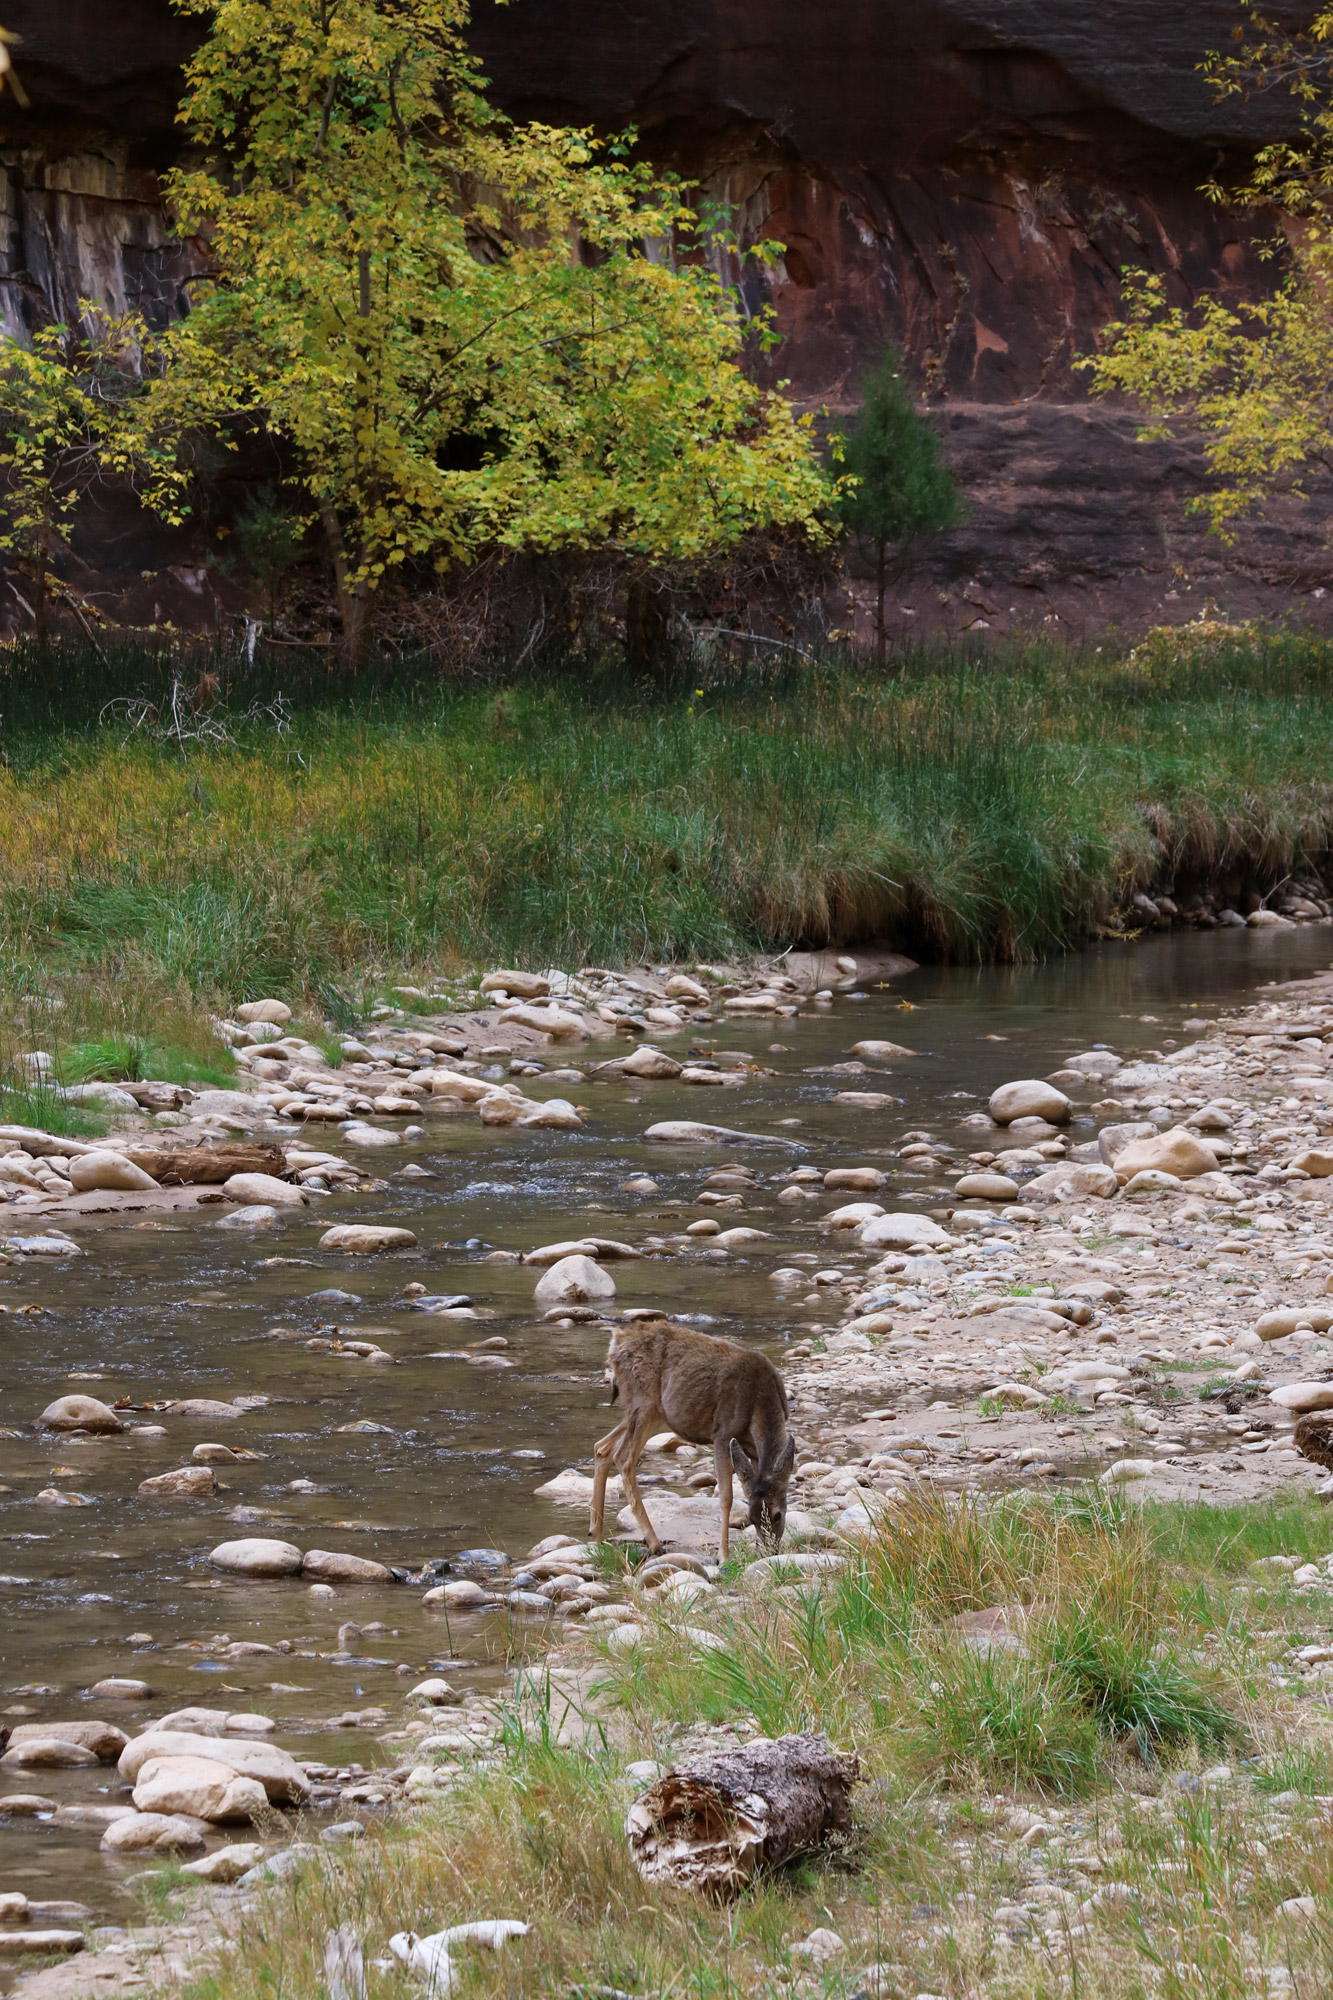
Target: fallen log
x,y
188,1166
715,1821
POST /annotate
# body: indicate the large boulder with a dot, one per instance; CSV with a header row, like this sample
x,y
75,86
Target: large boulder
x,y
1029,1098
1175,1152
574,1280
278,1772
201,1787
366,1239
107,1172
256,1556
79,1413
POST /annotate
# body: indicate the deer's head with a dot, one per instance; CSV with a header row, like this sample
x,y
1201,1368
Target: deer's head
x,y
766,1490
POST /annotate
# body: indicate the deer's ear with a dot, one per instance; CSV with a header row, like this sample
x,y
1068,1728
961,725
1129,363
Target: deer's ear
x,y
746,1467
784,1466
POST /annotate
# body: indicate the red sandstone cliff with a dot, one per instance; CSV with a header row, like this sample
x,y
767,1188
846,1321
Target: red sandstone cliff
x,y
966,178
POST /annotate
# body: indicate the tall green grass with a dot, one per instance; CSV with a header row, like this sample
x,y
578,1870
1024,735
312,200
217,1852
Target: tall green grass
x,y
271,826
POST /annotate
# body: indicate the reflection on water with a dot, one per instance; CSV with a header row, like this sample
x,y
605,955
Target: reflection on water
x,y
172,1308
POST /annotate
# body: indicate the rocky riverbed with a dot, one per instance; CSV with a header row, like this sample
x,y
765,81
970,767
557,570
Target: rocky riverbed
x,y
297,1454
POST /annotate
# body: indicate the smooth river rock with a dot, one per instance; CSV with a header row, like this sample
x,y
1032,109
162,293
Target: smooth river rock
x,y
104,1739
278,1772
79,1413
1175,1152
574,1281
151,1833
107,1172
200,1787
873,1051
48,1753
265,1188
1029,1098
986,1187
366,1239
648,1061
264,1010
189,1481
329,1566
900,1232
687,1132
256,1556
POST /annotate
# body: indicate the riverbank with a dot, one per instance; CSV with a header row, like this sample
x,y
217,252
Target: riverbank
x,y
177,839
1076,1620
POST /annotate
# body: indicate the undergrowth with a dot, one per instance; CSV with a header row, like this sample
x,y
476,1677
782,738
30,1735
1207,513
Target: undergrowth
x,y
323,835
997,1667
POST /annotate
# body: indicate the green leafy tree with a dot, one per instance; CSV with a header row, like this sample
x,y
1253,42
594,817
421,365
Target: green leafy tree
x,y
896,487
63,405
1254,380
462,332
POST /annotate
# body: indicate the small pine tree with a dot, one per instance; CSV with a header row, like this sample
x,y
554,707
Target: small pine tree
x,y
903,490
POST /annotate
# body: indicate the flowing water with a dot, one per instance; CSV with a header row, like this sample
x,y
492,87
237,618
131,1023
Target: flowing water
x,y
170,1307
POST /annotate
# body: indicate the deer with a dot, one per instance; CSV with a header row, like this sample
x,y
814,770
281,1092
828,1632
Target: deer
x,y
709,1391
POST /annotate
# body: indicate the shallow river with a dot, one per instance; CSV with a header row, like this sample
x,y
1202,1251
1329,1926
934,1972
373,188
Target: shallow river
x,y
174,1307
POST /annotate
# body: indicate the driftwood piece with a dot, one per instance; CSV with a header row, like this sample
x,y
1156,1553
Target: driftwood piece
x,y
715,1821
1313,1438
189,1166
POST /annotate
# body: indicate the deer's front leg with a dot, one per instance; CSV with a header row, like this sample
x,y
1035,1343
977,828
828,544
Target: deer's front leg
x,y
603,1454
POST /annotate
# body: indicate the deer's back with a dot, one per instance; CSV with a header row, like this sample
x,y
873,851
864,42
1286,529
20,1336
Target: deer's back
x,y
701,1385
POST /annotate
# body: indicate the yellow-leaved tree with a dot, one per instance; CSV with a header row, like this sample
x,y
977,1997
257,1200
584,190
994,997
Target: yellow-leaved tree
x,y
1255,379
462,332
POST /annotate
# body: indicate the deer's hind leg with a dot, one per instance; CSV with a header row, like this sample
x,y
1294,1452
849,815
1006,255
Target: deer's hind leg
x,y
603,1453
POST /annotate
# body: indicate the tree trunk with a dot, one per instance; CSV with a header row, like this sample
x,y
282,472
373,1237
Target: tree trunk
x,y
649,622
354,598
711,1824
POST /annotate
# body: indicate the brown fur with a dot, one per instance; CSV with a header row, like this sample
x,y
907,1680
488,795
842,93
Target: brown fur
x,y
709,1392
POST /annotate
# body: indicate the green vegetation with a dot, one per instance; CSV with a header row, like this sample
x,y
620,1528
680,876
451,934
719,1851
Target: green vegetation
x,y
1251,379
898,489
278,828
1043,1811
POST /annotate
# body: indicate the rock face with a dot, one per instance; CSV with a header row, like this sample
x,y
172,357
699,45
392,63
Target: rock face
x,y
963,178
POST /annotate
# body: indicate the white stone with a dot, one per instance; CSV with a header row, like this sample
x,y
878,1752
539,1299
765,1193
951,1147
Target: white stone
x,y
278,1772
79,1413
227,1864
264,1010
365,1239
901,1232
1029,1098
552,1021
256,1556
573,1281
1302,1396
107,1172
151,1833
199,1787
1126,1469
264,1188
873,1051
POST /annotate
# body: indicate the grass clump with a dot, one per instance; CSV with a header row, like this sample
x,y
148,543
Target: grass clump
x,y
336,838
